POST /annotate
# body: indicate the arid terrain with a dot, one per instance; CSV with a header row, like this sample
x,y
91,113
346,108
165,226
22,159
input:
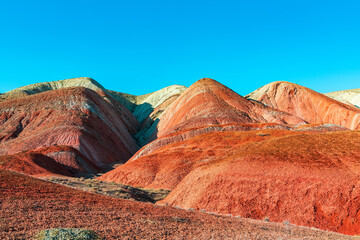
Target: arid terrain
x,y
29,205
200,162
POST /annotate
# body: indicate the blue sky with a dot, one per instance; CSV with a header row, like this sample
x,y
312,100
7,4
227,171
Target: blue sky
x,y
142,46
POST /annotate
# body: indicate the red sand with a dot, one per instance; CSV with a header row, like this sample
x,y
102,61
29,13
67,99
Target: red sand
x,y
28,205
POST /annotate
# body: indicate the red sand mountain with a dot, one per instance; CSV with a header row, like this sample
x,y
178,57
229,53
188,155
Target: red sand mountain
x,y
208,106
76,117
303,102
207,102
214,149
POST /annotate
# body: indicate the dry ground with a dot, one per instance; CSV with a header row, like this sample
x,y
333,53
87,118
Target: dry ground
x,y
28,205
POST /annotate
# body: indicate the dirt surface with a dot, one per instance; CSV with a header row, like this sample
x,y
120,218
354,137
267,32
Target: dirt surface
x,y
28,205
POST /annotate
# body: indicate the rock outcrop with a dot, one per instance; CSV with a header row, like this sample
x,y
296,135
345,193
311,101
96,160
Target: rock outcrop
x,y
303,102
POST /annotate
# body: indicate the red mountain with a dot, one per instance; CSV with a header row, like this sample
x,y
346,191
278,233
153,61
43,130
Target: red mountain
x,y
75,117
208,106
215,150
303,102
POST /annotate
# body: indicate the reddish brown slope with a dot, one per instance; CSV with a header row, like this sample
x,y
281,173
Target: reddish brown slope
x,y
76,117
312,106
29,205
307,179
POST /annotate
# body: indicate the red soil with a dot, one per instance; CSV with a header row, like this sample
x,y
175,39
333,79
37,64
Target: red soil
x,y
28,205
303,102
75,117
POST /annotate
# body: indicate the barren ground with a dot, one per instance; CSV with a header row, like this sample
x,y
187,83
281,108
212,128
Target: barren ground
x,y
28,205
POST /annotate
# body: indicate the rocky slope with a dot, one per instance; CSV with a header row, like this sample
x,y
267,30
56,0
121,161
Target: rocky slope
x,y
351,97
303,102
103,125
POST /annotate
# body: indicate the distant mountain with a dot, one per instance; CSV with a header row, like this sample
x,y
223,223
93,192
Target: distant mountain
x,y
48,86
351,97
311,106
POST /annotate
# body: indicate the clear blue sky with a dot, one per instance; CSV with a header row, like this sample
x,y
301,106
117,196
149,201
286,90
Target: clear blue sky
x,y
141,46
